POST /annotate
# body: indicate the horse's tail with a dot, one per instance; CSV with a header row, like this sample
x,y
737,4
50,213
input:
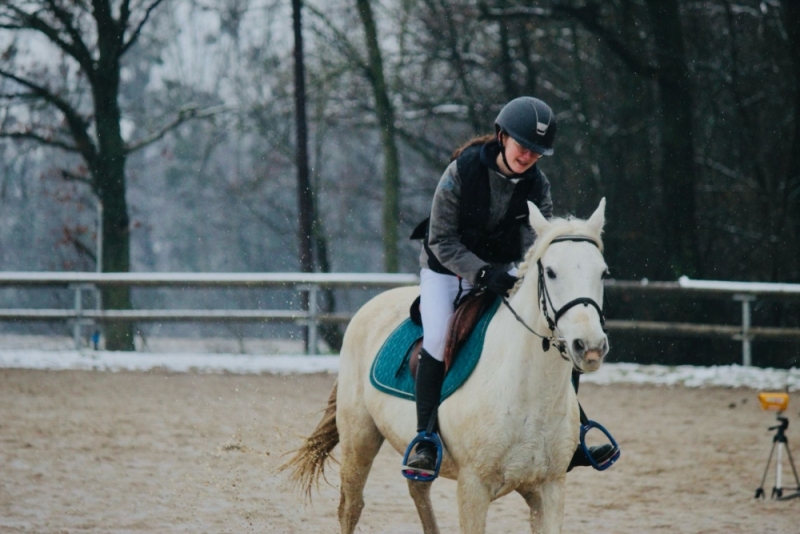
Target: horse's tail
x,y
308,462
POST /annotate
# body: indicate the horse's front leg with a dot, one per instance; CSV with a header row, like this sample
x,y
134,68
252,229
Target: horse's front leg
x,y
421,493
546,502
473,502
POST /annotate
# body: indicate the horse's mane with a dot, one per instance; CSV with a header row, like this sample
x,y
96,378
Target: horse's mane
x,y
558,226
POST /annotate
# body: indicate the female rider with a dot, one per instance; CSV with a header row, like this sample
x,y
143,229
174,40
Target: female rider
x,y
478,229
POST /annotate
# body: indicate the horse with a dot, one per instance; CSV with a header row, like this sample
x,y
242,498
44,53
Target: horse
x,y
514,423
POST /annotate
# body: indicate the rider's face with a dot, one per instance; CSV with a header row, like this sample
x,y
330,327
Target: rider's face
x,y
520,159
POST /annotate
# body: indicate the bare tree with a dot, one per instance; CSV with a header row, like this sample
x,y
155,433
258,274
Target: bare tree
x,y
671,73
92,37
386,125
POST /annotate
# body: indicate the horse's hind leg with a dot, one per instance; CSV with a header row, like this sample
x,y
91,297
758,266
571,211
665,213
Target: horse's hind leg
x,y
360,443
547,506
421,493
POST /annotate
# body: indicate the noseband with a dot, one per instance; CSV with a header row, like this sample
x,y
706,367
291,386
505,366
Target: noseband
x,y
546,304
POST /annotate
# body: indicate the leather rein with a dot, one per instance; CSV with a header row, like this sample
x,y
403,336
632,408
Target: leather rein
x,y
546,304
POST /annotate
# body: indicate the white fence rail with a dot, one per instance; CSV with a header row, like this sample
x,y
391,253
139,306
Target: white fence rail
x,y
311,283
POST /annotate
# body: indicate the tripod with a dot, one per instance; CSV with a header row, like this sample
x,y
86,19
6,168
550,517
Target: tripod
x,y
780,442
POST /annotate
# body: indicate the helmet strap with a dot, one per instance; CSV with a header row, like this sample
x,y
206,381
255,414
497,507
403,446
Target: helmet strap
x,y
503,153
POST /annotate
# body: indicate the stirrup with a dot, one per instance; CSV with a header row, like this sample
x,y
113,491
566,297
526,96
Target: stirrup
x,y
423,475
608,462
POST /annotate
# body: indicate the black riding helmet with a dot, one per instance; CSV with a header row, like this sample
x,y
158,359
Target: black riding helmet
x,y
530,122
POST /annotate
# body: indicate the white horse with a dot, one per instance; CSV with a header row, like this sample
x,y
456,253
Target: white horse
x,y
513,425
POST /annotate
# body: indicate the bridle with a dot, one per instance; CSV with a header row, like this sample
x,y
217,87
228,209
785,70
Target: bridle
x,y
546,304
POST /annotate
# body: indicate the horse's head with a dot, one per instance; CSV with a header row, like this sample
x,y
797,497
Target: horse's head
x,y
568,261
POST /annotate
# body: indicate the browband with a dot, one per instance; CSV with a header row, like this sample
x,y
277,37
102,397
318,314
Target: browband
x,y
575,238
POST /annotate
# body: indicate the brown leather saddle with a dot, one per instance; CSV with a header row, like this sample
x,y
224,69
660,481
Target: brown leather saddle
x,y
469,311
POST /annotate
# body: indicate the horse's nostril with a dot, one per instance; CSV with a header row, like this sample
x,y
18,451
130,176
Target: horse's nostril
x,y
578,346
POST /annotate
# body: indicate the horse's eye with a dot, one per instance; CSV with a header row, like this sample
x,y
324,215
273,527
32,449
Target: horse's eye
x,y
550,273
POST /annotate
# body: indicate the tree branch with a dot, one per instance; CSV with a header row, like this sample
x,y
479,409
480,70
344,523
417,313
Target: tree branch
x,y
44,140
587,16
188,113
124,13
74,177
350,51
77,49
84,56
77,125
82,247
135,34
435,156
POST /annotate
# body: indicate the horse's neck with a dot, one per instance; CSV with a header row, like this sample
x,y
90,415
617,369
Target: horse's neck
x,y
521,353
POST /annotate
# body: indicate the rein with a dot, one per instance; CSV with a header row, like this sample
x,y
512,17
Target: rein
x,y
544,299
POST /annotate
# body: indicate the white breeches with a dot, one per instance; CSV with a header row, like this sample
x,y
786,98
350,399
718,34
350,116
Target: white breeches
x,y
437,293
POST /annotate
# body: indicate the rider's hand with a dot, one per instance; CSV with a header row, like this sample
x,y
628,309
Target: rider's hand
x,y
495,280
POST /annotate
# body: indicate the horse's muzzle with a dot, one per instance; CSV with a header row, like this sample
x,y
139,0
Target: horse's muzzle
x,y
590,356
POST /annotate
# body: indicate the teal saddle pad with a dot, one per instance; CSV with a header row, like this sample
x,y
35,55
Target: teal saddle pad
x,y
390,372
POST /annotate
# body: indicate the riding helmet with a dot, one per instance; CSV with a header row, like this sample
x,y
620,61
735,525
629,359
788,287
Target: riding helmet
x,y
530,122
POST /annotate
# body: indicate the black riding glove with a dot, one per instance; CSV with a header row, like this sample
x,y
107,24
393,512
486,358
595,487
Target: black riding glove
x,y
495,280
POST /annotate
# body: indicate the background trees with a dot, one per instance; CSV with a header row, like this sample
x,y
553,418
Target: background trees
x,y
683,114
71,103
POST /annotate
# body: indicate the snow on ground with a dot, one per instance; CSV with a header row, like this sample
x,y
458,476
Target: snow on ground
x,y
692,376
183,362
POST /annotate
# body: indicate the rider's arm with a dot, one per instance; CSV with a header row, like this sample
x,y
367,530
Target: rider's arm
x,y
444,239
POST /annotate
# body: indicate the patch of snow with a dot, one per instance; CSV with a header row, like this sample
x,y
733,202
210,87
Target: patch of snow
x,y
690,376
174,362
185,362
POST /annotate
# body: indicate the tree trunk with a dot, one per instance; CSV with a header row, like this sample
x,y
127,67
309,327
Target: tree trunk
x,y
677,168
110,182
391,162
506,66
305,199
791,22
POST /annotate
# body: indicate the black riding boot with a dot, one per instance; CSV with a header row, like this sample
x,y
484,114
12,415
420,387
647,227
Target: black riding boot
x,y
600,454
428,392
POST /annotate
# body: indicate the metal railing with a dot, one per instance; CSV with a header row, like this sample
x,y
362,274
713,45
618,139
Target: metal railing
x,y
311,283
744,292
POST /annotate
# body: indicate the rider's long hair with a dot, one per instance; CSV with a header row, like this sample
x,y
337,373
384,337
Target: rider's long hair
x,y
479,140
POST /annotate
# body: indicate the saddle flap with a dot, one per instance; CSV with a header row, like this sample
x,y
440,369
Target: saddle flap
x,y
465,319
470,310
387,373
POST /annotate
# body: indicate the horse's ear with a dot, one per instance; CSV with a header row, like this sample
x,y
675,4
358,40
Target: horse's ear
x,y
538,222
598,218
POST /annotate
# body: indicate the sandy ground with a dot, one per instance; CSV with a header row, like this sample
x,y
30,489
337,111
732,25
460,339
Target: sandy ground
x,y
158,452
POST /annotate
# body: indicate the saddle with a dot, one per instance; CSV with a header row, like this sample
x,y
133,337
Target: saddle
x,y
469,311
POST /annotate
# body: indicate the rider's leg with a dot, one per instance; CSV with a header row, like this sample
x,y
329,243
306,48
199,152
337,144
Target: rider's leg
x,y
599,453
438,293
428,391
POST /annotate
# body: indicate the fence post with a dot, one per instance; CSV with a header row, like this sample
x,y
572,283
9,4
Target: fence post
x,y
80,320
76,326
747,357
313,327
